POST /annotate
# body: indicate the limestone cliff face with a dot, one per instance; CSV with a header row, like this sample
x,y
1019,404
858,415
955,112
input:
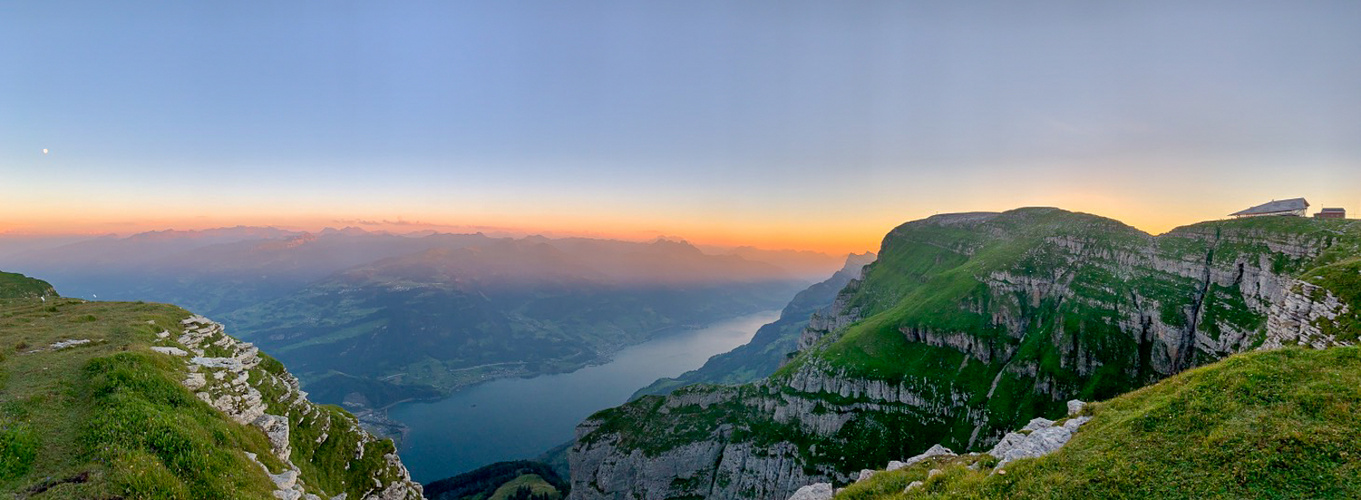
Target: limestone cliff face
x,y
1298,316
254,390
970,325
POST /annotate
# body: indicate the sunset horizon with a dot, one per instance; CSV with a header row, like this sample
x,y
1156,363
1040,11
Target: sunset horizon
x,y
699,250
769,235
763,124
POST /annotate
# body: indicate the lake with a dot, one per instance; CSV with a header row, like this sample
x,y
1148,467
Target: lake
x,y
512,419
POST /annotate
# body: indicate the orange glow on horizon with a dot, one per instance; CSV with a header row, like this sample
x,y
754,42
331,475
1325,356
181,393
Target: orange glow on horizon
x,y
832,241
850,220
860,236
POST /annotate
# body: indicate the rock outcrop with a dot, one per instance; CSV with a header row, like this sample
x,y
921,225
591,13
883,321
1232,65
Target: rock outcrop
x,y
1038,438
232,377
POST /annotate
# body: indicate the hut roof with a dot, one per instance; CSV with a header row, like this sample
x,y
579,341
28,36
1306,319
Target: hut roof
x,y
1275,206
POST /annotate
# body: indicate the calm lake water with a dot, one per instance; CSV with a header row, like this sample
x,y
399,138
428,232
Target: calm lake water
x,y
513,419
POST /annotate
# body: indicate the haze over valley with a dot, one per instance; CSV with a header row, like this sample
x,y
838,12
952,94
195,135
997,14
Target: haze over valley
x,y
702,250
371,319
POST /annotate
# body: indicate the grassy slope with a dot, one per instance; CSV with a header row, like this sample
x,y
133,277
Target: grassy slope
x,y
111,410
14,285
1276,424
115,415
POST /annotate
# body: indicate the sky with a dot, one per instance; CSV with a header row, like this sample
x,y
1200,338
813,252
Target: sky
x,y
779,124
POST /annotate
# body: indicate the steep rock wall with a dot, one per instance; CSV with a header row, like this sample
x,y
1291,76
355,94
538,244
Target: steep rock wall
x,y
966,327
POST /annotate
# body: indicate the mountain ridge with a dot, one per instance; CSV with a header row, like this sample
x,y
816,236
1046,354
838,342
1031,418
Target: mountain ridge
x,y
967,326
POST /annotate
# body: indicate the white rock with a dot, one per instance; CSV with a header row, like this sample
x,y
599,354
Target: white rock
x,y
934,451
195,381
173,351
276,428
818,491
865,474
57,346
1038,423
285,479
1073,423
913,485
1075,406
1044,439
230,364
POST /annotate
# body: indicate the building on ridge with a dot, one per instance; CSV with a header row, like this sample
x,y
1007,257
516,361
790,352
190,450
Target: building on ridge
x,y
1331,213
1294,206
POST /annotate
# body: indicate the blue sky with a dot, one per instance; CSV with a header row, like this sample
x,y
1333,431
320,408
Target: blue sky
x,y
760,118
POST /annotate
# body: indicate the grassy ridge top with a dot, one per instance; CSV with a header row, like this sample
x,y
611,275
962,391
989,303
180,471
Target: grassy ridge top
x,y
1273,424
14,286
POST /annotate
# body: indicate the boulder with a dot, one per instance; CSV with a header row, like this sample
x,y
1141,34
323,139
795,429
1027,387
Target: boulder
x,y
1075,406
818,491
934,451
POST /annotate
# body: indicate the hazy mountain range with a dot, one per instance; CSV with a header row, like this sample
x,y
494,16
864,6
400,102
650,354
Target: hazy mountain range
x,y
371,318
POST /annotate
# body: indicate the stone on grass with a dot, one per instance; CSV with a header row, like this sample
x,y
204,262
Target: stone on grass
x,y
817,491
934,451
1075,406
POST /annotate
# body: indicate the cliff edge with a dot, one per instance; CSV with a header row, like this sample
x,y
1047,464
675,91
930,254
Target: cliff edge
x,y
137,400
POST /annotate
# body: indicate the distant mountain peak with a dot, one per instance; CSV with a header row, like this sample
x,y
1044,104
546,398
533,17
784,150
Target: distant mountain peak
x,y
663,243
856,262
347,231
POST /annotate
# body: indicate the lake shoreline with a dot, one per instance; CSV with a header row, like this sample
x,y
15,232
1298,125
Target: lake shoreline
x,y
522,417
378,422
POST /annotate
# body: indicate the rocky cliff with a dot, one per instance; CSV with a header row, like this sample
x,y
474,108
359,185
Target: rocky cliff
x,y
235,379
970,325
138,400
